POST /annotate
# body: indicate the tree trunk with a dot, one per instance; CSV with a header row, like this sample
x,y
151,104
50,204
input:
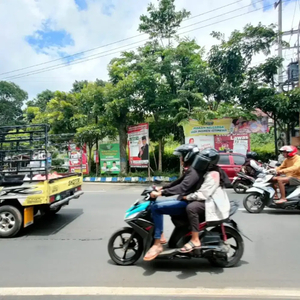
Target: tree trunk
x,y
97,150
288,134
90,157
275,136
123,147
160,146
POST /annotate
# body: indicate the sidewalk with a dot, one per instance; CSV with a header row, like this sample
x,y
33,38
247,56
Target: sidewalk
x,y
129,179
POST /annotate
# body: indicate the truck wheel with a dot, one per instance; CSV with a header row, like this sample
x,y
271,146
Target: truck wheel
x,y
11,221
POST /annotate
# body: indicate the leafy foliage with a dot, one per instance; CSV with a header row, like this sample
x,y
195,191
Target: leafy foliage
x,y
12,98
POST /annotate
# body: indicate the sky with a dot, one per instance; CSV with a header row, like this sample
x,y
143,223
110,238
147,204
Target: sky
x,y
40,37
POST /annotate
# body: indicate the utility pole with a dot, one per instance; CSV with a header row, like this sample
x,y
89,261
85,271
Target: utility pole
x,y
279,4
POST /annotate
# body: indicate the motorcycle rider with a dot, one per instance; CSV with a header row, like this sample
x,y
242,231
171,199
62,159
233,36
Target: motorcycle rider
x,y
251,167
210,200
291,168
188,183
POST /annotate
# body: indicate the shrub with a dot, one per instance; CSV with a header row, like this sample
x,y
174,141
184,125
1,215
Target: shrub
x,y
265,152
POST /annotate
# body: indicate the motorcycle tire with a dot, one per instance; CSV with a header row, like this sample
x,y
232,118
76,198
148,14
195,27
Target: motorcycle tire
x,y
231,262
136,240
249,209
235,188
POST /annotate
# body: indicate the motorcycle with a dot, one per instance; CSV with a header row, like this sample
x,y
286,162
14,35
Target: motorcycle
x,y
216,242
263,194
242,182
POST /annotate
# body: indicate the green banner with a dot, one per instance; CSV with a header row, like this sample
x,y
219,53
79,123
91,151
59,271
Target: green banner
x,y
110,158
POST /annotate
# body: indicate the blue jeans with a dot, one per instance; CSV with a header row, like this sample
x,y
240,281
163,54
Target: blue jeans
x,y
167,207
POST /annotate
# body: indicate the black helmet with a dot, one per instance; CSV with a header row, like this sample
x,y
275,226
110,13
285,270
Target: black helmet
x,y
206,158
252,155
187,151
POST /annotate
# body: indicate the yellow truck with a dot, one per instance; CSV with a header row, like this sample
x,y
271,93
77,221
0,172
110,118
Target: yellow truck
x,y
27,186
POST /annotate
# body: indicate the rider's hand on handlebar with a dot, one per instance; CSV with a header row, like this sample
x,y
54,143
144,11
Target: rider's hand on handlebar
x,y
155,194
272,171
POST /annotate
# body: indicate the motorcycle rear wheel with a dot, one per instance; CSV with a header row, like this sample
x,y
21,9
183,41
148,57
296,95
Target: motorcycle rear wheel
x,y
260,204
239,250
134,243
237,189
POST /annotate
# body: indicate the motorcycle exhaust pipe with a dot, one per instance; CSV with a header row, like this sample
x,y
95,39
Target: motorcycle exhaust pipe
x,y
243,186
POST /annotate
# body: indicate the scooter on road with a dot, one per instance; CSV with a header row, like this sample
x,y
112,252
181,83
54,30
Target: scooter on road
x,y
222,242
262,193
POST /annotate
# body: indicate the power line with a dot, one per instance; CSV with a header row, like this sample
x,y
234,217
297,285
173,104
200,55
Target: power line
x,y
98,55
113,43
76,62
222,15
292,23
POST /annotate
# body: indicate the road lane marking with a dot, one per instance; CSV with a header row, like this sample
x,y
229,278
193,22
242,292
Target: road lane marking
x,y
133,189
95,192
140,291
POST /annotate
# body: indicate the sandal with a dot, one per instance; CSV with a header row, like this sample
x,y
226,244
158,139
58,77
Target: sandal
x,y
152,253
281,201
186,249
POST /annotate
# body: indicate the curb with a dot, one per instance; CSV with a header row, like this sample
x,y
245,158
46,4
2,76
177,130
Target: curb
x,y
128,179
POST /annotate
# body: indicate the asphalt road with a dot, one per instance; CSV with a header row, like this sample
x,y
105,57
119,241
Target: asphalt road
x,y
70,250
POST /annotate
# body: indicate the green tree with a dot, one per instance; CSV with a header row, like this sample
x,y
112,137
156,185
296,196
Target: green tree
x,y
78,86
230,60
61,113
12,98
163,21
41,100
122,107
93,124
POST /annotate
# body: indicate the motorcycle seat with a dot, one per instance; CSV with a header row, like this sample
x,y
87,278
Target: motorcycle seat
x,y
215,223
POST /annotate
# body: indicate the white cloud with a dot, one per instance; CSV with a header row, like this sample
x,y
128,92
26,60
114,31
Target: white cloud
x,y
92,28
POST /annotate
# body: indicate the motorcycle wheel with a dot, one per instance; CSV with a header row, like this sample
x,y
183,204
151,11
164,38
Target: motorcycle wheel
x,y
128,241
234,259
259,203
237,189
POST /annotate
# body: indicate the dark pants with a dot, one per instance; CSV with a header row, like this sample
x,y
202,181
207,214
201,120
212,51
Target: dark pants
x,y
196,214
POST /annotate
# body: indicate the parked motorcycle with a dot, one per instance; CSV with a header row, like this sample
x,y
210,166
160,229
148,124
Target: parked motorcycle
x,y
261,194
222,243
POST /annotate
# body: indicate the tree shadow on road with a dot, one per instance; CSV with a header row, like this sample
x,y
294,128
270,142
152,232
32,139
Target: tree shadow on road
x,y
50,225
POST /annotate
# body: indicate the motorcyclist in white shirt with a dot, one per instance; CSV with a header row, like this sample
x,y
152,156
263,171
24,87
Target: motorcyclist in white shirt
x,y
251,167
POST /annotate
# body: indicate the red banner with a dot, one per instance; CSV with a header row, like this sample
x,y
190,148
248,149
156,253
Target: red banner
x,y
138,145
233,143
78,158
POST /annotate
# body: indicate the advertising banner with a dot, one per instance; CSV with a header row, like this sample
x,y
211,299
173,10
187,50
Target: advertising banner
x,y
233,143
138,145
225,126
76,160
110,158
201,141
213,127
241,126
